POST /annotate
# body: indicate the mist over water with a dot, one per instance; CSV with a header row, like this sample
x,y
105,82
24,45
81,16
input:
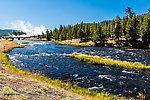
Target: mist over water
x,y
52,61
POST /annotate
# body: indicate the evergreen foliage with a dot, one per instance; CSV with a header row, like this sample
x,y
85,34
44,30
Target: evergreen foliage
x,y
131,30
16,33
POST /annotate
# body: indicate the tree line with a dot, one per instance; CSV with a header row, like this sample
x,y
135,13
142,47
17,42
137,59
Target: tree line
x,y
131,30
16,33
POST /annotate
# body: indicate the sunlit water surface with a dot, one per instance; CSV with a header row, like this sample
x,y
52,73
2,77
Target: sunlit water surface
x,y
52,61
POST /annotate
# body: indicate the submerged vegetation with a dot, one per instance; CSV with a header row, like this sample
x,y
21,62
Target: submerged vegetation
x,y
66,85
97,60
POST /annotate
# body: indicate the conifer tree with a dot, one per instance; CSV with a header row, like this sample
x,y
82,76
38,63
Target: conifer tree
x,y
48,37
123,26
91,30
132,30
117,29
80,34
87,32
129,12
108,30
55,34
99,35
105,29
146,33
112,27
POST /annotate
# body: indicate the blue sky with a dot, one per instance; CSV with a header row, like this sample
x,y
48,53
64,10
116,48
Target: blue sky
x,y
52,13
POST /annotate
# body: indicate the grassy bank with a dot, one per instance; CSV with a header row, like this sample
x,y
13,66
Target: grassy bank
x,y
67,86
7,46
97,60
42,39
25,42
75,43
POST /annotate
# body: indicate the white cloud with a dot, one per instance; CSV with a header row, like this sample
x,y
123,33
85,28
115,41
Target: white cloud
x,y
28,28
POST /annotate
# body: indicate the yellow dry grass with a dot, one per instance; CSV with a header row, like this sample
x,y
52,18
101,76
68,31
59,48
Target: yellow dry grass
x,y
6,45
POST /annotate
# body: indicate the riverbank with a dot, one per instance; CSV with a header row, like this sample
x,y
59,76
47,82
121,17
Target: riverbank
x,y
98,60
83,93
36,39
6,45
74,42
18,84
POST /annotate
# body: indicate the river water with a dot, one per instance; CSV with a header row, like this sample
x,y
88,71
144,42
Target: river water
x,y
52,61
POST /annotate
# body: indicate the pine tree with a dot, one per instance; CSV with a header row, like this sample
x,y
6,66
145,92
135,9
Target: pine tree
x,y
132,30
146,32
117,29
69,33
74,33
99,35
141,26
43,35
63,35
112,27
55,34
91,30
123,26
129,12
48,37
80,34
87,32
108,30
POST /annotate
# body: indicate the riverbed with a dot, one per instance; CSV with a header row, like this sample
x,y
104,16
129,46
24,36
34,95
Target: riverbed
x,y
52,60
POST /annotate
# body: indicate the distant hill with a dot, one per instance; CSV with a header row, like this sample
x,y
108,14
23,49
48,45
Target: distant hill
x,y
5,32
101,23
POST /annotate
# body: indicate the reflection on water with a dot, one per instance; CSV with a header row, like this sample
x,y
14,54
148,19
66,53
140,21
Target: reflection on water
x,y
52,60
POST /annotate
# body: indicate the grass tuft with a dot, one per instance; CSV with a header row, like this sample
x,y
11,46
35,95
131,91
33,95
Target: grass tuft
x,y
98,60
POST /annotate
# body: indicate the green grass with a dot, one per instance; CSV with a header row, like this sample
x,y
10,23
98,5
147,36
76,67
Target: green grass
x,y
72,44
66,85
97,60
25,42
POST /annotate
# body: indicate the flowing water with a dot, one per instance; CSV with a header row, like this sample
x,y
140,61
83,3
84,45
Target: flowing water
x,y
52,61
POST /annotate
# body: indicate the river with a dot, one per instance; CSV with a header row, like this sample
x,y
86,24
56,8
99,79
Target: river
x,y
51,60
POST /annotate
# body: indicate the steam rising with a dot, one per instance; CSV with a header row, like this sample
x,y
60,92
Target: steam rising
x,y
28,28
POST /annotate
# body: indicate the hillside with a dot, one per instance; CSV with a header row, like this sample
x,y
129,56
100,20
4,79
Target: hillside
x,y
5,32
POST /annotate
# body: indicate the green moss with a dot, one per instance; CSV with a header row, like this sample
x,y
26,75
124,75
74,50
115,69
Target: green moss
x,y
109,62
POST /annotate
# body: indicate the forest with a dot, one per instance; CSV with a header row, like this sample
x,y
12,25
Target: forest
x,y
130,31
16,33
